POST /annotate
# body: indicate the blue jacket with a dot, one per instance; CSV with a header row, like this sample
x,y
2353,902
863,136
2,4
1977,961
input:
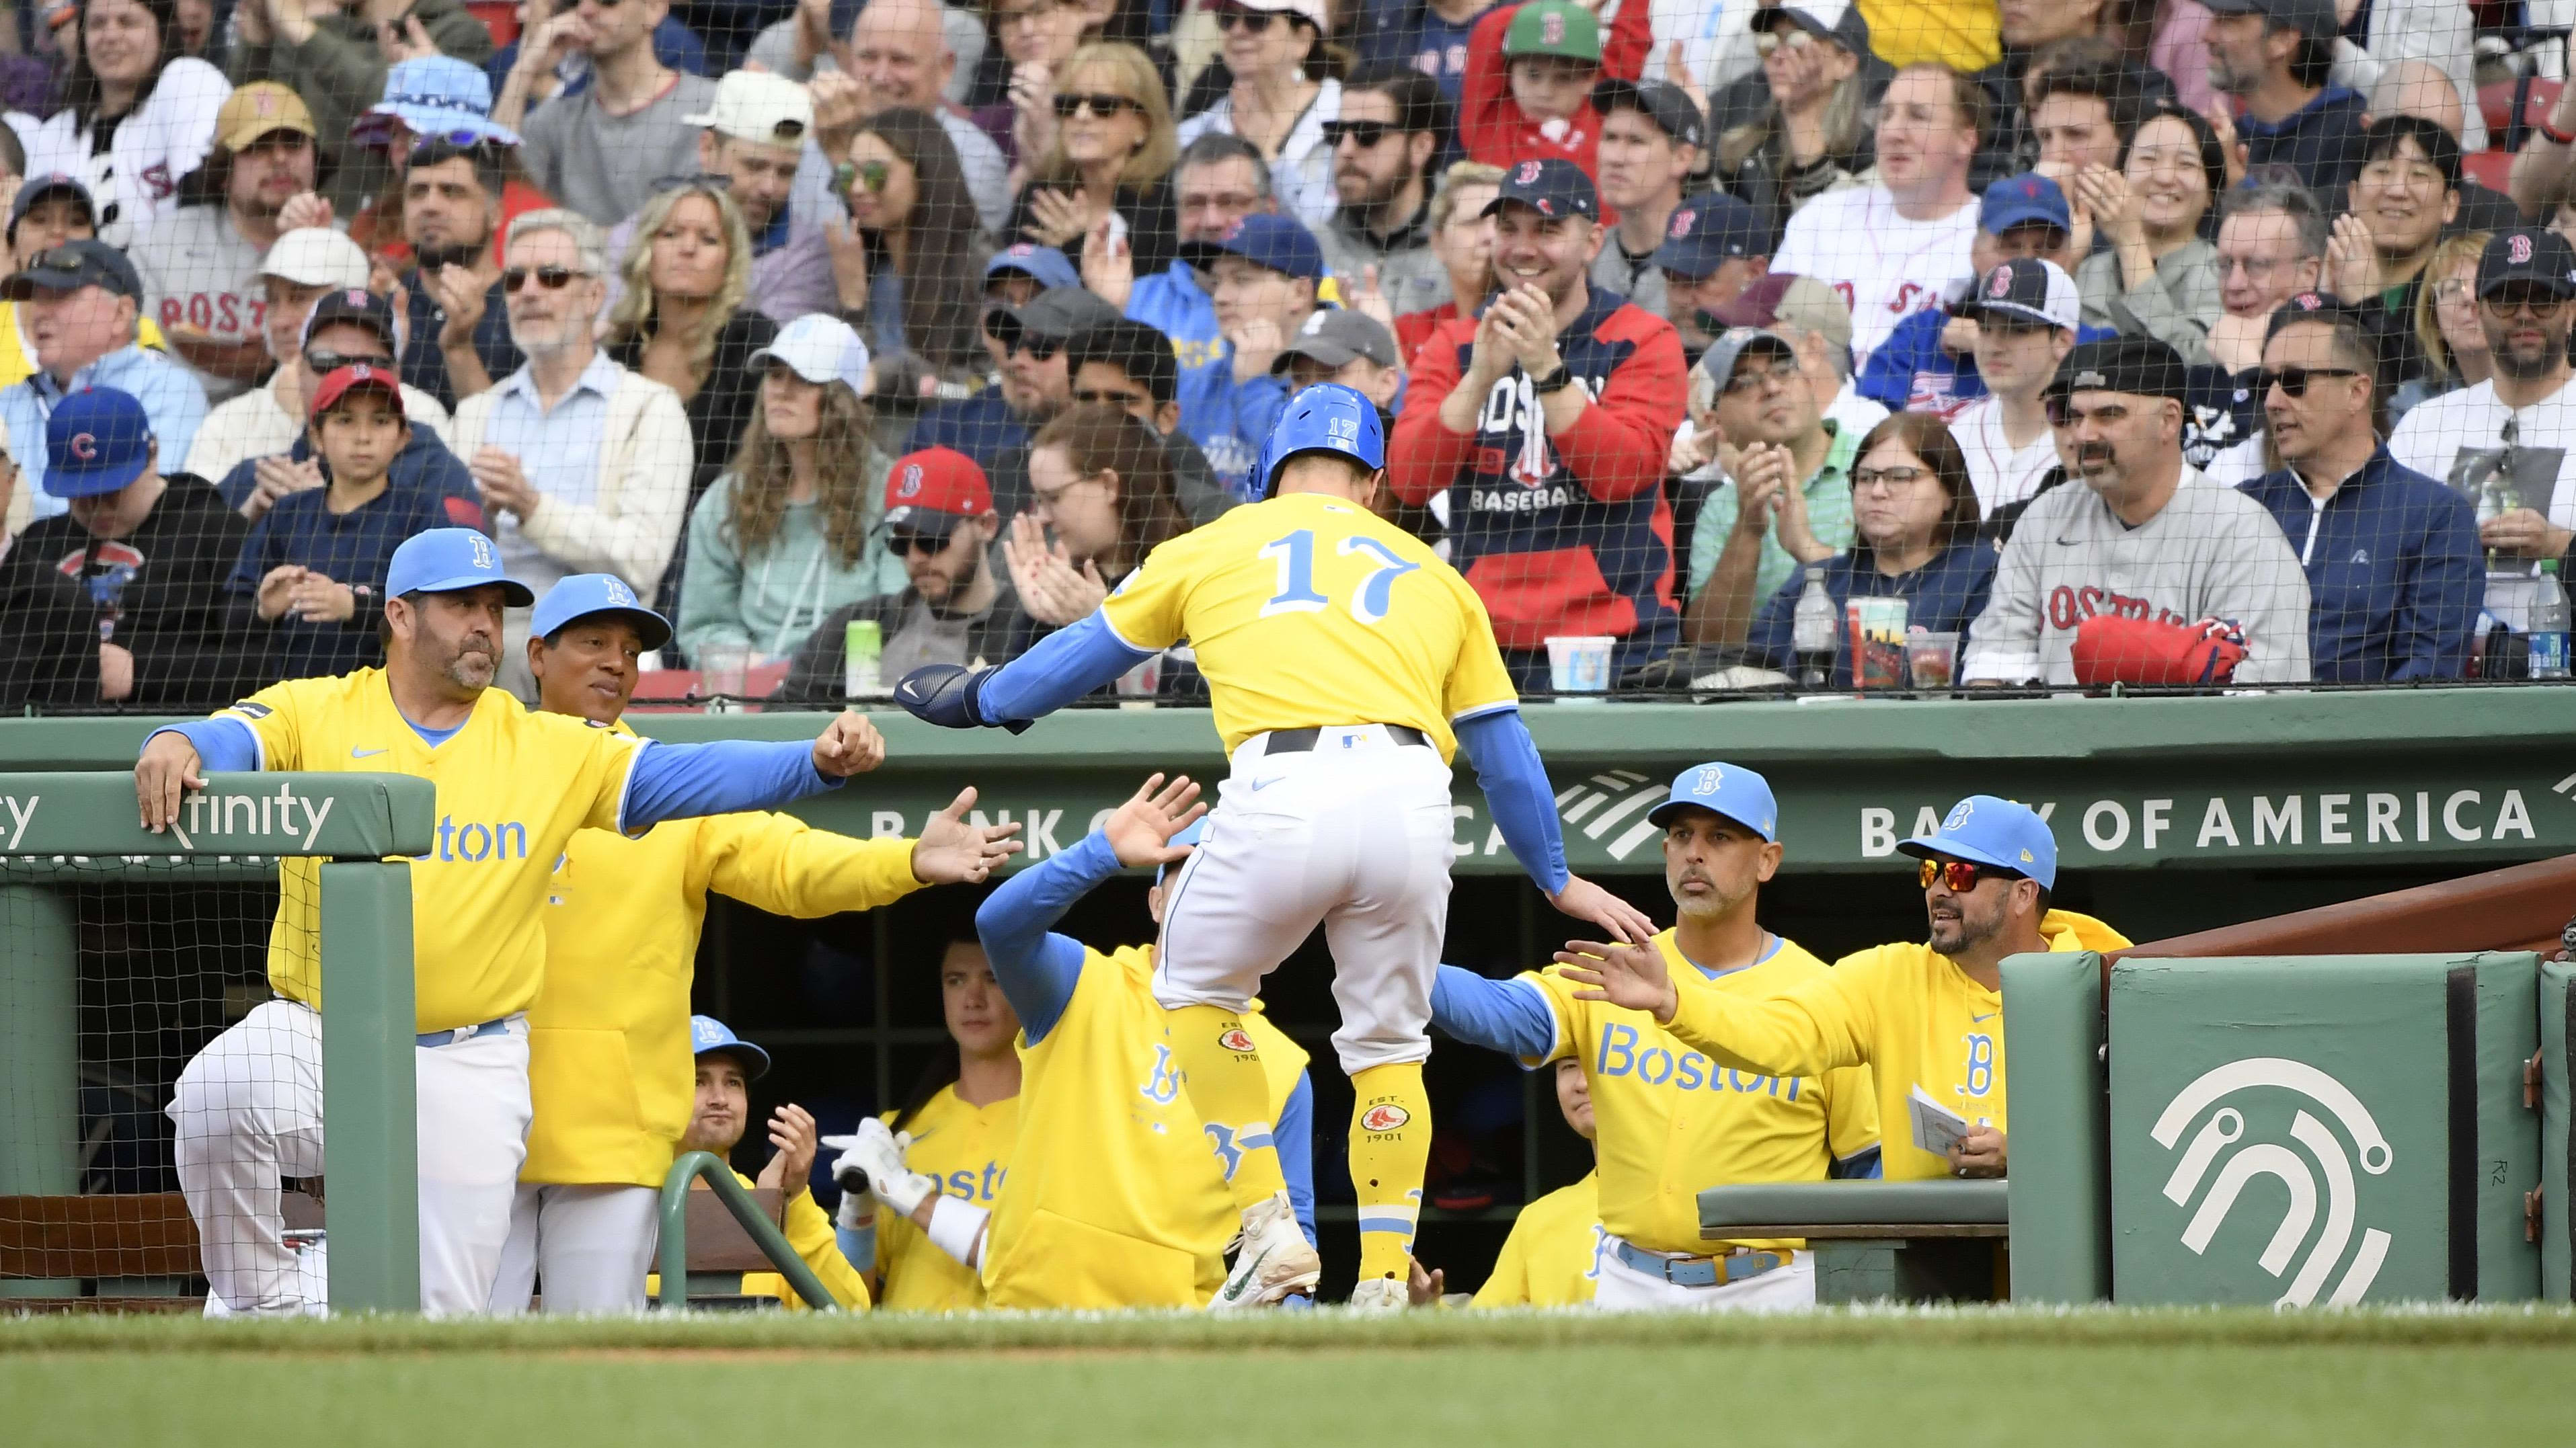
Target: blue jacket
x,y
2321,140
983,427
1910,371
2395,572
1230,420
174,402
1943,596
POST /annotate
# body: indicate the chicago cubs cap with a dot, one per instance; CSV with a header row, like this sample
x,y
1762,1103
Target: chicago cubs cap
x,y
1707,232
711,1037
316,256
1990,831
2027,289
1267,238
1550,186
97,441
2022,200
2141,366
2314,18
2533,254
434,95
1739,794
1553,27
344,380
354,305
1335,335
820,348
1051,267
754,105
451,560
72,266
928,491
1663,103
584,594
258,110
1720,359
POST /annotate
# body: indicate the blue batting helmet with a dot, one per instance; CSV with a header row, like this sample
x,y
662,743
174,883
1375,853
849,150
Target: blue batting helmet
x,y
1326,417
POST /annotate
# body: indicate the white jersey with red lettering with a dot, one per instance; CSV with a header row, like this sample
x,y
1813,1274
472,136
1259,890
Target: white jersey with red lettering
x,y
1886,265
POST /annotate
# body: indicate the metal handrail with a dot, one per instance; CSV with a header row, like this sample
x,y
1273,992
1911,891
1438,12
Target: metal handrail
x,y
772,1242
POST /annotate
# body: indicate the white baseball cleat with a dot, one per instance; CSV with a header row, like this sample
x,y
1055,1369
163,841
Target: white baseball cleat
x,y
1273,1262
1380,1294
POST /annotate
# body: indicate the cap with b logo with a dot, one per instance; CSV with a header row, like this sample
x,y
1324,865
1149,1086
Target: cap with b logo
x,y
2529,254
259,110
754,105
1266,238
2024,200
927,492
344,380
451,560
97,441
1554,27
1986,830
585,594
1550,186
1737,793
2027,289
709,1036
1706,232
358,307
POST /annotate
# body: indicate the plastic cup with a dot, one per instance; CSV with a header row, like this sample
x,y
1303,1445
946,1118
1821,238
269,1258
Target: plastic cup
x,y
1142,681
721,668
1580,663
1933,659
1876,628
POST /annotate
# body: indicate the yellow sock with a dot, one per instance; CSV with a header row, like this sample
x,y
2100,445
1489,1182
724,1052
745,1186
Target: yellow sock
x,y
1390,1143
1222,1072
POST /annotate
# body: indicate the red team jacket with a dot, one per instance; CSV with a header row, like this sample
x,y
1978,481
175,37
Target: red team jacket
x,y
1491,124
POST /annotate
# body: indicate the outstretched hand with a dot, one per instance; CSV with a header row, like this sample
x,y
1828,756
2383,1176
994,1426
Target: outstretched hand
x,y
848,745
1586,901
1140,831
953,852
1633,976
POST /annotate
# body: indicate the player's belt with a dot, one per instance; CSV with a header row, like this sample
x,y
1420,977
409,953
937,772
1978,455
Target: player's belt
x,y
1301,741
462,1033
1700,1271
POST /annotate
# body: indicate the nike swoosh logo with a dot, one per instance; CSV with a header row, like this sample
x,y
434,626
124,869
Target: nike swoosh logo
x,y
2069,542
356,753
1978,1020
1260,785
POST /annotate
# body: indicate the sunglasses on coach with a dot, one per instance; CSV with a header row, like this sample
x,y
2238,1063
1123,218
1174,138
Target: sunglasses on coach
x,y
1960,875
2293,381
1102,104
1363,134
552,278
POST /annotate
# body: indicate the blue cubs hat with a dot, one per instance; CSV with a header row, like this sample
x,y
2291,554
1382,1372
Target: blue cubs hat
x,y
1723,789
97,441
1326,417
709,1036
1550,186
2021,200
435,96
1277,242
1989,831
1707,232
584,594
1051,267
451,560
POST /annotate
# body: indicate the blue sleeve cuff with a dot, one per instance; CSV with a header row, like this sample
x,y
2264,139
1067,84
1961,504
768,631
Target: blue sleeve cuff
x,y
1037,970
1516,790
1509,1016
728,776
225,744
1862,1165
1064,666
1293,1137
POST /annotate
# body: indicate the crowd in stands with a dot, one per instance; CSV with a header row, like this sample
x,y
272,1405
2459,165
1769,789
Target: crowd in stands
x,y
2141,341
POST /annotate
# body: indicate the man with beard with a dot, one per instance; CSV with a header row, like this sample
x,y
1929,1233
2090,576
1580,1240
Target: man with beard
x,y
1658,1140
1651,146
2275,57
1925,1018
1389,133
2115,579
201,263
458,338
1034,384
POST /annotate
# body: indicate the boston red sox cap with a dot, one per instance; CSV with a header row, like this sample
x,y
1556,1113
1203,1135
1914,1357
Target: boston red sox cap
x,y
927,492
2528,254
1550,186
1706,232
2027,289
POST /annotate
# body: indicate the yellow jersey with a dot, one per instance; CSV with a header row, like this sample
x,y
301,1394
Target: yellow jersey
x,y
1308,610
810,1232
610,1067
1668,1121
1964,35
1118,1198
969,1149
1913,1016
513,787
1553,1256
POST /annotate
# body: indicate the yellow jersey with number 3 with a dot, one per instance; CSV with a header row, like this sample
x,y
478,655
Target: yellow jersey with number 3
x,y
1553,1256
971,1150
513,786
1307,611
1911,1015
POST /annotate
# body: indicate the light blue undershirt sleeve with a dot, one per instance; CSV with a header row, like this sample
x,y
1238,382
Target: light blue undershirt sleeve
x,y
1036,968
226,744
1293,1136
1516,789
1510,1016
1862,1165
685,781
1064,666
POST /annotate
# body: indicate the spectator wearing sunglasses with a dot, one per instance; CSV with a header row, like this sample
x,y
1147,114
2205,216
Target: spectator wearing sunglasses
x,y
135,115
79,303
1392,128
1036,384
1105,184
906,263
1014,95
2395,573
1282,98
341,58
458,336
600,152
796,528
1531,70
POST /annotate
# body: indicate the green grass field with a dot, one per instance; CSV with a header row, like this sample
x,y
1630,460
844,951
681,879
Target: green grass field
x,y
1978,1377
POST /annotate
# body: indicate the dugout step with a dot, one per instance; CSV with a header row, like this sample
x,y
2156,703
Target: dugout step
x,y
1877,1241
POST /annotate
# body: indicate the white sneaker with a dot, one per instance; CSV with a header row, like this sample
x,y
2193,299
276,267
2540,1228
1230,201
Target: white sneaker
x,y
1274,1260
1380,1294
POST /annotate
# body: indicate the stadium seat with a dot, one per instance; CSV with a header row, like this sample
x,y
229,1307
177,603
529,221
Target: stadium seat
x,y
2491,169
2513,109
501,17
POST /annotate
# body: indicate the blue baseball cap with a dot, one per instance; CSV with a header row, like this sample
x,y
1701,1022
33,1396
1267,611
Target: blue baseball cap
x,y
709,1036
1551,186
97,441
451,560
437,97
2021,200
1723,789
1190,836
1051,267
584,594
1707,232
1989,831
1268,239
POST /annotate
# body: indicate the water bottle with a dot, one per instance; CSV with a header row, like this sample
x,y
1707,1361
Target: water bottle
x,y
1817,624
2549,625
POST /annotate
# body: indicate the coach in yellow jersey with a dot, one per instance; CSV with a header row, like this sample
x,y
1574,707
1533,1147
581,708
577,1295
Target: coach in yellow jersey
x,y
512,788
1927,1016
1345,663
1671,1121
609,1036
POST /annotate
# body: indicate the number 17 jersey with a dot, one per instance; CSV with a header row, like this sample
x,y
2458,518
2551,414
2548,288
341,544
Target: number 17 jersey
x,y
1309,610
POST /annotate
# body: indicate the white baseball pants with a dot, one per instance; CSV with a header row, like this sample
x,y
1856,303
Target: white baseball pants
x,y
589,1245
1790,1287
1353,834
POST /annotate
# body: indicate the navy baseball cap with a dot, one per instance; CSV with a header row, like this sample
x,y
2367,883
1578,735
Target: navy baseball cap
x,y
711,1037
584,594
451,560
37,188
2534,254
97,441
73,265
1722,789
1706,232
2027,289
1275,241
1051,267
1550,186
2021,200
1664,104
1988,831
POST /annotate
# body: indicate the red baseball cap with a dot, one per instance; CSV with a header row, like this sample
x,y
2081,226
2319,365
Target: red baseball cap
x,y
928,491
342,380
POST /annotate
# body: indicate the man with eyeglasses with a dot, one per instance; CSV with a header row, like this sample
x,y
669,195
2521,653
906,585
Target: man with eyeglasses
x,y
1781,495
600,151
1925,1018
458,336
1653,141
80,303
2272,240
2118,580
1220,180
1129,366
2505,443
2394,570
753,139
1392,127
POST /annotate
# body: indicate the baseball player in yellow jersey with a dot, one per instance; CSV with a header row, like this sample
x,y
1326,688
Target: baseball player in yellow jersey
x,y
961,1131
1927,1017
1345,663
1553,1256
608,1037
1671,1121
1118,1195
512,789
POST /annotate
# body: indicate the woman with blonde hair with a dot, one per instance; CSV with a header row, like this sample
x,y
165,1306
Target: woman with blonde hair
x,y
682,321
1462,237
1814,133
2447,326
1111,157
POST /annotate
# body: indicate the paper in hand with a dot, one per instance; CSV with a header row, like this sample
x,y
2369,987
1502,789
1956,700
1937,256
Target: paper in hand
x,y
1937,1128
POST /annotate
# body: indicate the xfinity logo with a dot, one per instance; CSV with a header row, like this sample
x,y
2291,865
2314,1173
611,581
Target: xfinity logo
x,y
256,816
20,813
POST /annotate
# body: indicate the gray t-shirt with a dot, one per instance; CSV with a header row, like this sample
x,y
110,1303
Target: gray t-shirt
x,y
926,636
200,274
605,166
1636,278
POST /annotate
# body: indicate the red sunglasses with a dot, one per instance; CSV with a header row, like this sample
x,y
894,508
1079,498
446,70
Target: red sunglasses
x,y
1960,875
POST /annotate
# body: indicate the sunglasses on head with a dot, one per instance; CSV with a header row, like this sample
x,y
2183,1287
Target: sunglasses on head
x,y
1101,103
1961,876
1363,134
552,278
326,363
453,140
2293,381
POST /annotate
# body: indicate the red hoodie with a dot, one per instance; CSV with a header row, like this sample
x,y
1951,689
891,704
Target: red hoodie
x,y
1492,126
